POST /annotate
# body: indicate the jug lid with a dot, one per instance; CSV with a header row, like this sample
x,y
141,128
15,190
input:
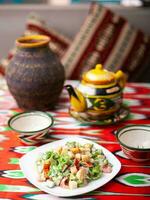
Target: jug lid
x,y
98,75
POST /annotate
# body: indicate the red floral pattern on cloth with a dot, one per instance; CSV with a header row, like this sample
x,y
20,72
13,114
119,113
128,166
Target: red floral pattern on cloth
x,y
13,184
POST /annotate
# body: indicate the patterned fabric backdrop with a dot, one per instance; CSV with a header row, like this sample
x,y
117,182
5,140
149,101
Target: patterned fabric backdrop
x,y
133,181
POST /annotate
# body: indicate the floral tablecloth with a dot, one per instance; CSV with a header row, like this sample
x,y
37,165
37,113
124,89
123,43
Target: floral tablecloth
x,y
133,180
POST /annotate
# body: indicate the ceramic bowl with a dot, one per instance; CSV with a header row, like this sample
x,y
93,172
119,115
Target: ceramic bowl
x,y
32,127
135,141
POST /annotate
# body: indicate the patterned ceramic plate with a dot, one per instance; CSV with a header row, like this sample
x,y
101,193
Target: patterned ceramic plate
x,y
122,114
28,166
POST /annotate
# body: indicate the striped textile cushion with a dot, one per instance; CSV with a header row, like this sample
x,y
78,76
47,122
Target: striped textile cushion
x,y
35,25
108,39
5,61
59,43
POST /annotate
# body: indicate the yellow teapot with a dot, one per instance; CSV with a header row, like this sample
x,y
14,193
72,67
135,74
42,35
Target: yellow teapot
x,y
99,93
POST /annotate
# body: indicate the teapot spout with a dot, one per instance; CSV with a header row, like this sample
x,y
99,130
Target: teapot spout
x,y
71,91
77,100
121,78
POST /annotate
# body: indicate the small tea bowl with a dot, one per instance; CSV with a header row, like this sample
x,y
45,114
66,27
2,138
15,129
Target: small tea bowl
x,y
32,126
135,141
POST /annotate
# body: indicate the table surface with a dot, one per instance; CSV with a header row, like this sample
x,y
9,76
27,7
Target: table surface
x,y
133,180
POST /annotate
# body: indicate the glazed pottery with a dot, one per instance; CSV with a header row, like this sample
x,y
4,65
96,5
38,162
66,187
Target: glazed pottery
x,y
99,94
135,141
35,76
32,127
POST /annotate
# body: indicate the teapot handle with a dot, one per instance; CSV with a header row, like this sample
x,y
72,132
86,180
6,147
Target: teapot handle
x,y
121,78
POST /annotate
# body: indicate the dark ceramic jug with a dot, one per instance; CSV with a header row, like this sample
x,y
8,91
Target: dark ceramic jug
x,y
35,75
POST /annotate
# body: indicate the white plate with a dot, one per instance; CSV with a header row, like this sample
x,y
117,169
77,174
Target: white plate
x,y
28,166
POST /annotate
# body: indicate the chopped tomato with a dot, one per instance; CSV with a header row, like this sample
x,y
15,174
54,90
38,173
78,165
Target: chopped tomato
x,y
46,167
76,163
88,164
107,169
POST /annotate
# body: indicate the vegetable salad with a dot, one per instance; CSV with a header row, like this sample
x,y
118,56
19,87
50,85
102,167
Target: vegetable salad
x,y
72,166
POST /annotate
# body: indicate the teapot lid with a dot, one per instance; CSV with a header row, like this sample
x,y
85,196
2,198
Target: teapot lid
x,y
98,75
